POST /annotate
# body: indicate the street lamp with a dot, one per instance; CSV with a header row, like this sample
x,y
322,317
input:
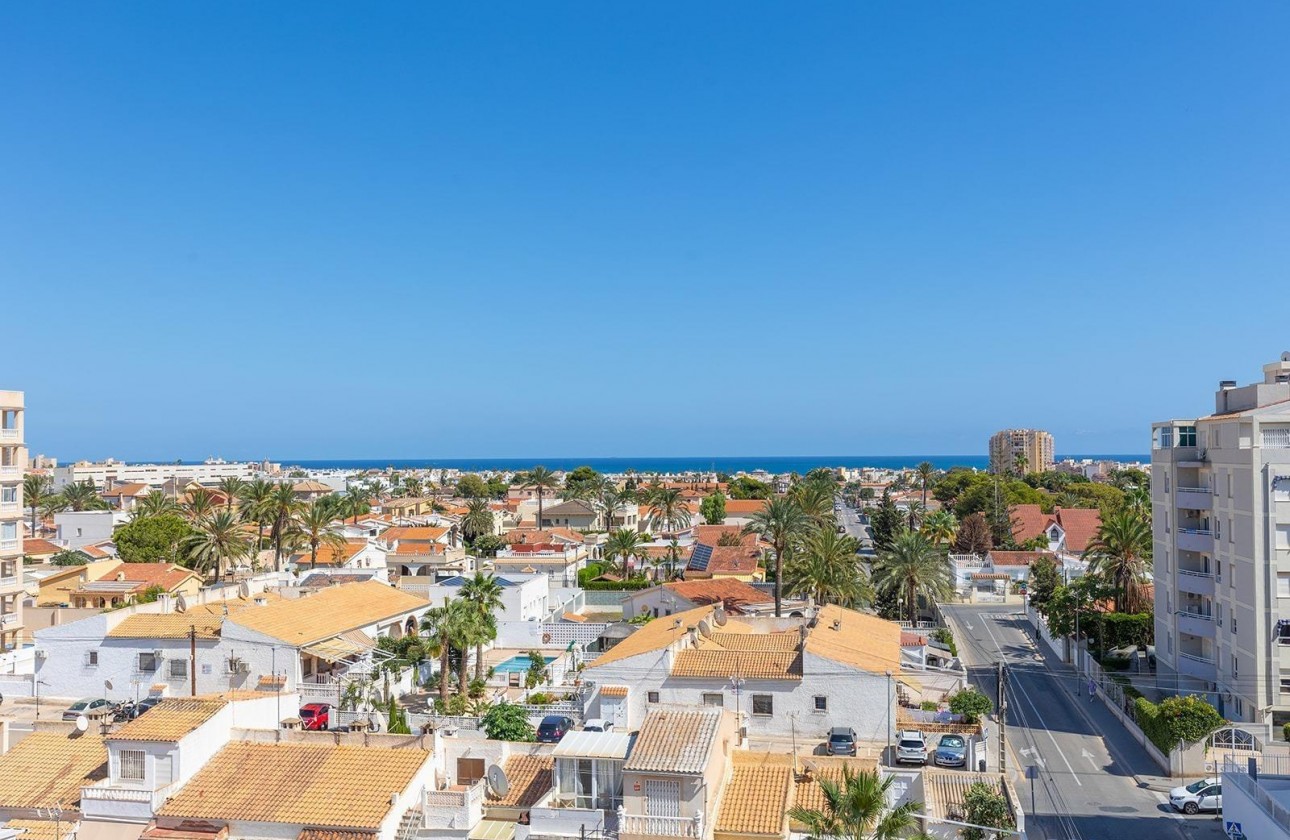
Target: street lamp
x,y
39,683
889,718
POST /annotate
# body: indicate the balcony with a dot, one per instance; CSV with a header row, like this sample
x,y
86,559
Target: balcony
x,y
1193,498
10,582
118,803
1195,624
1196,539
11,434
10,471
1197,583
1197,665
10,621
686,827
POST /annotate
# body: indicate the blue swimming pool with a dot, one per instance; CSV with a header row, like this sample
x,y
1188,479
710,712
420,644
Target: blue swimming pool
x,y
517,664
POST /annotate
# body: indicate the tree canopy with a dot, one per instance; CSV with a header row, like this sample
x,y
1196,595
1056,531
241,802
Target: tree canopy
x,y
154,539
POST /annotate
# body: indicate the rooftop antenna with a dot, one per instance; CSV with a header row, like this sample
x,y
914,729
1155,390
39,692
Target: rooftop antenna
x,y
497,780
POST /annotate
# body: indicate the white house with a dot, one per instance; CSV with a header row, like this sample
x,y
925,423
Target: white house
x,y
524,597
75,528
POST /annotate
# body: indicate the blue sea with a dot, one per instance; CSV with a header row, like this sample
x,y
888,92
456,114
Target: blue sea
x,y
727,464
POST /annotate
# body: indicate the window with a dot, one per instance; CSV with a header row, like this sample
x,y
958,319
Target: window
x,y
1166,484
1218,570
763,704
1234,672
821,703
1186,435
1231,531
1218,528
147,662
1283,585
1229,484
1285,685
9,495
132,764
8,531
1166,438
651,697
714,699
92,658
178,669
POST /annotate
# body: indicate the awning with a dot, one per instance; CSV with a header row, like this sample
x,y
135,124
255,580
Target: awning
x,y
493,830
579,744
340,648
101,830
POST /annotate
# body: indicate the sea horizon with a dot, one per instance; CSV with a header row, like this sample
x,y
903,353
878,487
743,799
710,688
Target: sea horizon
x,y
677,464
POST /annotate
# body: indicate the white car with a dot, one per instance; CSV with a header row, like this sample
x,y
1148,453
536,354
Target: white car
x,y
1204,795
598,725
911,747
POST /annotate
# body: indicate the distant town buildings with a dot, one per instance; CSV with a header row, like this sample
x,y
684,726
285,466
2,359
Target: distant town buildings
x,y
13,460
1221,524
1021,451
109,473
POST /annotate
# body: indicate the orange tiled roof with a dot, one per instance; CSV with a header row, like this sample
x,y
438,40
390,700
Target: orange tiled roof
x,y
530,778
1028,522
732,594
328,556
755,801
171,719
1016,558
39,548
1081,526
711,534
744,506
49,768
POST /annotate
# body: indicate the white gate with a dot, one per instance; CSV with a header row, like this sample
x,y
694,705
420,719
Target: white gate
x,y
662,798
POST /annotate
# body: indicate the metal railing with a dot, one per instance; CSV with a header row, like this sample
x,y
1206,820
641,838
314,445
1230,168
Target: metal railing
x,y
1189,572
1238,775
1276,438
1197,657
661,826
6,582
1200,532
1190,614
1203,490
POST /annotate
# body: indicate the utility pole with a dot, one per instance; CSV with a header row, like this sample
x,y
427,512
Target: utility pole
x,y
1003,717
192,658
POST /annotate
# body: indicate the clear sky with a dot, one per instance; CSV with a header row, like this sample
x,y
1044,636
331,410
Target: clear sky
x,y
510,229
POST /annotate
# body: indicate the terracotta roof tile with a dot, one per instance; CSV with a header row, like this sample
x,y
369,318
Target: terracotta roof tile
x,y
861,640
807,792
51,767
328,556
1028,522
41,829
744,506
171,719
330,612
530,778
675,741
654,635
334,834
1016,558
732,594
711,662
1081,526
755,800
711,534
613,691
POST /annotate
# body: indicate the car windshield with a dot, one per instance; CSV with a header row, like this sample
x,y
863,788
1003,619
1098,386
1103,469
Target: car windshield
x,y
1197,787
952,741
79,704
307,713
911,745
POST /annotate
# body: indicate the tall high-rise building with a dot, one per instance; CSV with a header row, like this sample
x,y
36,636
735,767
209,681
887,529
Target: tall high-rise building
x,y
1220,493
13,460
1021,450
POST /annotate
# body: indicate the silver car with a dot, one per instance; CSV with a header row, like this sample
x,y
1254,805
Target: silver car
x,y
911,748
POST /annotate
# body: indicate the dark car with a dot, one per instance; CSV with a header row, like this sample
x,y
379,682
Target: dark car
x,y
90,707
553,728
842,741
315,717
951,751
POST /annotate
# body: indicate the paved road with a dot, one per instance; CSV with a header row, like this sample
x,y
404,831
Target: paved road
x,y
1092,774
849,519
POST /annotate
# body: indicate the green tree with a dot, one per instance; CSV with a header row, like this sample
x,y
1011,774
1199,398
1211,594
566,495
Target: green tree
x,y
488,545
471,486
939,527
357,500
926,478
69,557
816,499
973,536
609,501
826,570
581,483
231,486
199,503
255,503
35,493
313,523
713,508
397,719
280,511
153,539
622,544
914,568
783,524
442,626
667,506
984,805
217,541
83,495
970,703
154,504
508,722
1120,555
540,479
537,672
855,808
886,523
744,487
478,520
484,595
1175,720
1043,581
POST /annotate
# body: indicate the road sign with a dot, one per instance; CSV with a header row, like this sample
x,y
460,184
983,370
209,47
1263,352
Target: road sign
x,y
1032,772
1233,830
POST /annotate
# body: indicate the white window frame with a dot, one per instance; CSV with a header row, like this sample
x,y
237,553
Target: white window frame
x,y
177,669
820,704
769,698
132,765
91,658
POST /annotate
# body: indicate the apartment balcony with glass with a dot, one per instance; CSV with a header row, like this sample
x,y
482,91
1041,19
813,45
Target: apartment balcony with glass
x,y
1196,617
1196,657
1195,574
1193,534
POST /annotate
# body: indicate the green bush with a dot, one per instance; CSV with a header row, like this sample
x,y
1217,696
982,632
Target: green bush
x,y
540,698
1187,719
972,704
928,706
945,637
1115,663
630,585
1285,731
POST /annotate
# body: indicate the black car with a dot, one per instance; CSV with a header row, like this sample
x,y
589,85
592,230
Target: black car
x,y
842,741
553,728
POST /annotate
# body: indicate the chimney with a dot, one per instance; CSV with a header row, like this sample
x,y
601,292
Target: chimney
x,y
4,736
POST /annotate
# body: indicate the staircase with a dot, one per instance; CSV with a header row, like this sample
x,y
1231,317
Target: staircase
x,y
412,821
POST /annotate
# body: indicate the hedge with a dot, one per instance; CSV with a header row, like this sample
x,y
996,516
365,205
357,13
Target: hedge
x,y
621,585
1174,719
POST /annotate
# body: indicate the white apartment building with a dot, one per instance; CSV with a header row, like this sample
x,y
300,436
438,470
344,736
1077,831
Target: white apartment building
x,y
155,475
1221,503
13,461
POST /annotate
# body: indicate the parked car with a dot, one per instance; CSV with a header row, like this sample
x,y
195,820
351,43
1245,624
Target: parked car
x,y
911,747
316,717
1203,795
90,707
553,728
597,725
842,741
951,751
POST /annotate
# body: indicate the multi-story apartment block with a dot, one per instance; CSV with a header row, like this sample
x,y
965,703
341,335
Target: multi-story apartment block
x,y
1221,503
13,460
110,473
1021,450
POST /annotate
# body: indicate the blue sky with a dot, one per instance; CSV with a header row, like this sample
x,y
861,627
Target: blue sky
x,y
422,230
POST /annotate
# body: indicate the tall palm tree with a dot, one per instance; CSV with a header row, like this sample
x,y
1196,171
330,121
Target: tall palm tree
x,y
253,505
623,543
484,594
1120,554
83,495
667,505
610,501
413,486
358,500
1021,464
914,514
939,527
826,570
912,567
231,486
442,626
856,809
541,479
35,492
54,503
200,503
1138,499
926,474
154,503
281,509
217,540
783,524
314,524
478,520
816,499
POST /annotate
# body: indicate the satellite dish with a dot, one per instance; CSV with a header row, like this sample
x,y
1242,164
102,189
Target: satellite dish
x,y
719,616
82,723
243,590
705,629
497,780
181,604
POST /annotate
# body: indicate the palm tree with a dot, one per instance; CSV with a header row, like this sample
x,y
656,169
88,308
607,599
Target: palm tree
x,y
1138,500
623,543
231,486
610,501
200,503
441,624
478,520
54,503
926,473
856,809
153,504
413,486
541,479
253,505
280,509
484,594
1021,463
35,492
939,527
218,539
358,500
783,524
314,524
667,505
914,513
826,570
1120,554
83,495
912,567
816,499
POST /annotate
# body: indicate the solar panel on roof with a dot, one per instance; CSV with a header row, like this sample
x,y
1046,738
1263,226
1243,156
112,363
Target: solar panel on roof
x,y
700,558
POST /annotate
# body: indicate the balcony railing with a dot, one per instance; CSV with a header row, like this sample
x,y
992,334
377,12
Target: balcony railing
x,y
8,545
9,434
1197,657
1204,490
1200,615
9,582
1200,532
1190,573
8,619
1276,438
686,827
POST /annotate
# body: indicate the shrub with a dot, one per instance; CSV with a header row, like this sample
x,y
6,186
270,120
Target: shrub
x,y
972,704
540,698
929,706
507,722
1174,719
946,637
1285,731
1115,663
629,585
984,805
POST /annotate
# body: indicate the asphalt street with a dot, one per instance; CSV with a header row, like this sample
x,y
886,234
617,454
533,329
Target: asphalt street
x,y
1092,776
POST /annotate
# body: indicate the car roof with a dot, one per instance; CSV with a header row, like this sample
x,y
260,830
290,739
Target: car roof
x,y
313,707
842,730
911,734
554,719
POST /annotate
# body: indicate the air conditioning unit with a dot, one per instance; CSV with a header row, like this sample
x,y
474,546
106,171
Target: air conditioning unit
x,y
235,665
242,668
